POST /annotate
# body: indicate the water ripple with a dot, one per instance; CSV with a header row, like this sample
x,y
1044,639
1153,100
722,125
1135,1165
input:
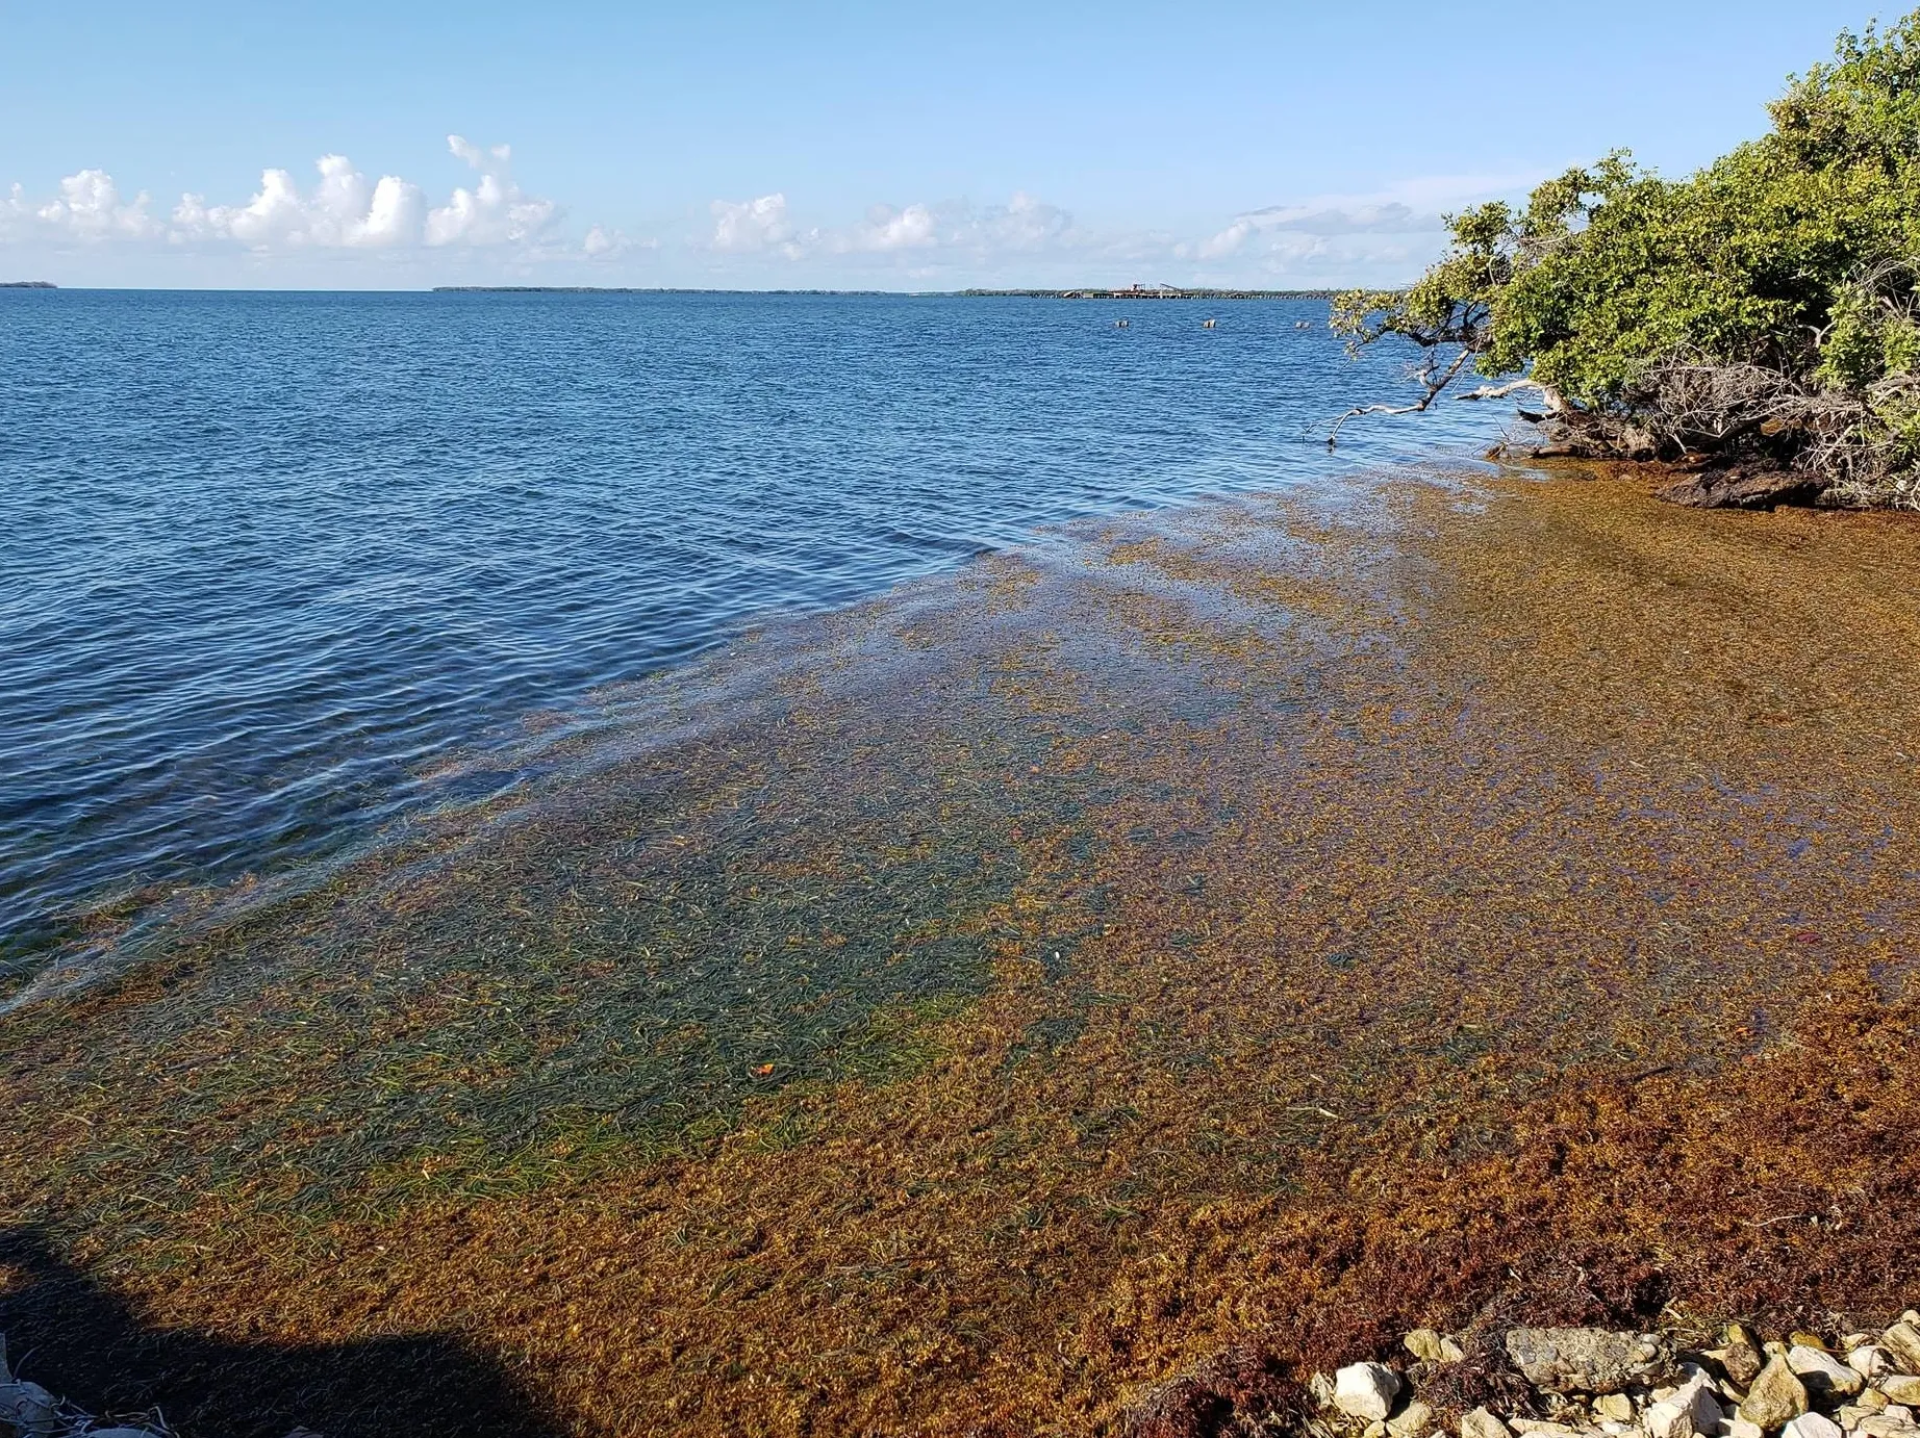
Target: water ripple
x,y
266,559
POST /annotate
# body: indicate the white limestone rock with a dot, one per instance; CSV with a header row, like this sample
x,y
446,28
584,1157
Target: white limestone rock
x,y
1482,1424
1902,1342
1885,1425
1869,1360
1777,1396
1366,1390
1691,1409
1424,1344
1413,1421
1812,1425
1667,1419
1823,1373
1587,1360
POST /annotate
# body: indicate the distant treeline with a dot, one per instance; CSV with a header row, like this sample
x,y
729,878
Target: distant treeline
x,y
1143,294
628,290
28,285
1164,293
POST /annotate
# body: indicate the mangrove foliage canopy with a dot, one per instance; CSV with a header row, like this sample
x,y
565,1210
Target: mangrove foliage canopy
x,y
1761,309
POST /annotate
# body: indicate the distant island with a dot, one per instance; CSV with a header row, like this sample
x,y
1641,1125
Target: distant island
x,y
627,290
1149,292
28,285
1130,292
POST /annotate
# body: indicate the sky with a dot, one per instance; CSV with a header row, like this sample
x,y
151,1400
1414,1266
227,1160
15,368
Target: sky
x,y
902,146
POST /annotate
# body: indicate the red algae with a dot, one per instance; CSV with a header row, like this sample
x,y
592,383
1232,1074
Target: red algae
x,y
1079,997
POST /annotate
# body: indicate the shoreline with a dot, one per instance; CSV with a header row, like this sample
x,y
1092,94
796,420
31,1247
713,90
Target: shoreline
x,y
1214,947
686,542
105,922
1081,293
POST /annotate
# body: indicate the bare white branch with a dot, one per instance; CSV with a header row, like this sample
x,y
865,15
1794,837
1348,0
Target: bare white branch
x,y
1434,385
1501,391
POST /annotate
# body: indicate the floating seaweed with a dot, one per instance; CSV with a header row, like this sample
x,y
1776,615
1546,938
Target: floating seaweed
x,y
1209,944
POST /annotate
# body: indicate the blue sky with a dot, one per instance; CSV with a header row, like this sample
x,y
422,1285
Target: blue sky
x,y
359,145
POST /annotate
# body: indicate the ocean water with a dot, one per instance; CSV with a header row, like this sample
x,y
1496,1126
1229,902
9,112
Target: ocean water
x,y
267,559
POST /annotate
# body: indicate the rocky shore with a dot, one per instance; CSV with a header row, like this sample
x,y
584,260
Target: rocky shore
x,y
1597,1383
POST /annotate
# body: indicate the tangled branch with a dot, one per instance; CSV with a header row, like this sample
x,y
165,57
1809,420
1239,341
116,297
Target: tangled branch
x,y
1429,374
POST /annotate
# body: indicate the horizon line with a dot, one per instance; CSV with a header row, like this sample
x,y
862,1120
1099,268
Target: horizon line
x,y
971,291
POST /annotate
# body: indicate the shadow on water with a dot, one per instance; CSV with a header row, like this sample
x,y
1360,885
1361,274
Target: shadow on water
x,y
74,1337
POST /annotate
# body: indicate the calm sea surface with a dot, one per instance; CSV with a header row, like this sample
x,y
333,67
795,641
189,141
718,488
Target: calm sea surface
x,y
266,558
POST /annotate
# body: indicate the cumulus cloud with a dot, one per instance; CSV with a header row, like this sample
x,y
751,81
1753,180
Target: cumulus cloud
x,y
889,229
88,209
343,210
490,219
748,227
495,211
605,243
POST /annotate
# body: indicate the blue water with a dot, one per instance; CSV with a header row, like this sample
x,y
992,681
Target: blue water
x,y
265,557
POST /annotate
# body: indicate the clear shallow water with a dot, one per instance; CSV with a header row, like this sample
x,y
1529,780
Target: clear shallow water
x,y
266,558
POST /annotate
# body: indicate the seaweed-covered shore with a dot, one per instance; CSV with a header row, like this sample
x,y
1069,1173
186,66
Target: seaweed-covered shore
x,y
1190,953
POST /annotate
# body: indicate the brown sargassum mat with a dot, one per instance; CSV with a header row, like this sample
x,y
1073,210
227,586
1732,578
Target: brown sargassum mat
x,y
1077,995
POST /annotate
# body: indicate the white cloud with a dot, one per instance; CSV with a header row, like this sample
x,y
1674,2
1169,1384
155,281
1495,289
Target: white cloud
x,y
88,209
1412,207
1382,237
765,226
483,160
1389,219
488,225
603,243
495,211
747,227
344,210
1024,223
889,229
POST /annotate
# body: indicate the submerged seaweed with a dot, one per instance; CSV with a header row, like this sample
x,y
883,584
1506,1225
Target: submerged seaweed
x,y
1206,946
